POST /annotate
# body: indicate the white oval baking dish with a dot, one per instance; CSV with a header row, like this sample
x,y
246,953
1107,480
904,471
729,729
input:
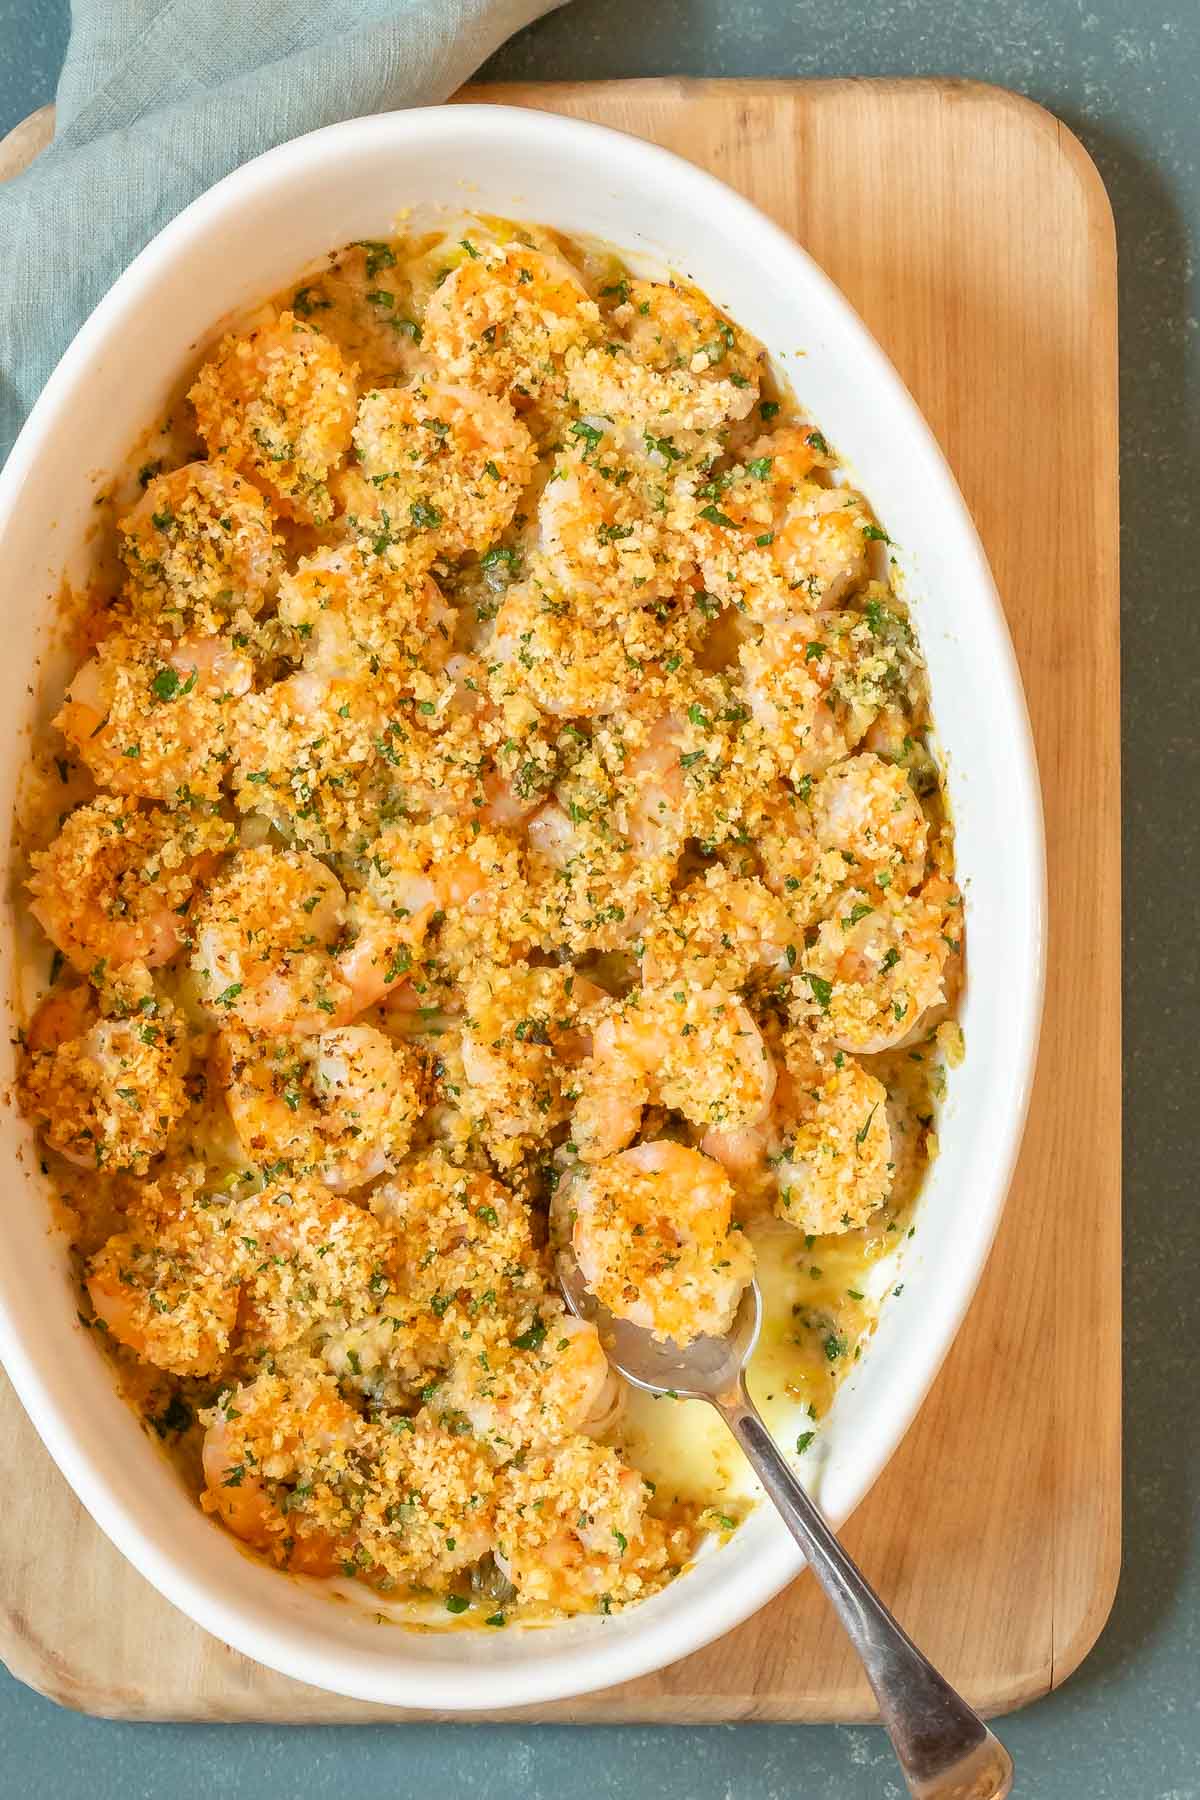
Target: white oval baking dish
x,y
243,239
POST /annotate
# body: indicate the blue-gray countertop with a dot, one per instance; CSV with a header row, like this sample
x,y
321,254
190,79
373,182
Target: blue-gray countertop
x,y
1126,77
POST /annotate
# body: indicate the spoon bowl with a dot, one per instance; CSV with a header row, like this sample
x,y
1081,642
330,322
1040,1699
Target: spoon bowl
x,y
701,1370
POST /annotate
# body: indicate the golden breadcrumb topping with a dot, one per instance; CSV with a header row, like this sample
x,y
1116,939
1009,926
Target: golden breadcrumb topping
x,y
655,1238
166,1286
200,546
442,459
117,884
151,714
494,815
677,370
109,1097
525,1031
278,405
506,317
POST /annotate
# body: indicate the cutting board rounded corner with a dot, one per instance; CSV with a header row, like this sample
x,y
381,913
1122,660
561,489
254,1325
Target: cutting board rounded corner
x,y
31,1661
1035,117
1090,1628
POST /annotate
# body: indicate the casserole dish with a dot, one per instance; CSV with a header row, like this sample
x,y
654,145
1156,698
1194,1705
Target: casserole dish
x,y
243,239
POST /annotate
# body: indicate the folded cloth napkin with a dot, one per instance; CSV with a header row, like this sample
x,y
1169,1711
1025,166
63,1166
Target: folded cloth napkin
x,y
160,98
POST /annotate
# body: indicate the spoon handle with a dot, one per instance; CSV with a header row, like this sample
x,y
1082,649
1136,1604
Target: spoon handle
x,y
945,1750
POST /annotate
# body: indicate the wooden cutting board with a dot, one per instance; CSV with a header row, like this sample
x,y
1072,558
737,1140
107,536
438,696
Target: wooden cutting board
x,y
973,234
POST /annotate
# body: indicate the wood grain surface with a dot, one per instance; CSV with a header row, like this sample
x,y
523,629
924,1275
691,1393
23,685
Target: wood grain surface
x,y
973,234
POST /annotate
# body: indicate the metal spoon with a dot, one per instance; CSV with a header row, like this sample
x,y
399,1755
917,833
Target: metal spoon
x,y
945,1750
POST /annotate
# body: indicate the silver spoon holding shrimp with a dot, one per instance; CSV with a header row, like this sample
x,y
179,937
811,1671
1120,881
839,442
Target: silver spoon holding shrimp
x,y
945,1750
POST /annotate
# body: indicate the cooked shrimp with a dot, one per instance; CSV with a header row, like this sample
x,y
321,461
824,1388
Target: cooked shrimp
x,y
279,1266
304,758
591,892
277,403
373,959
552,836
546,646
441,458
419,870
775,541
293,1470
199,546
340,1104
443,1520
655,811
162,1286
263,932
825,1151
674,369
465,1258
451,870
63,1014
569,1525
306,750
272,1454
471,751
106,1092
889,735
696,1050
694,774
609,531
525,1030
834,1166
794,866
555,1383
307,1259
865,809
786,689
506,317
358,613
879,964
654,1241
116,884
718,931
815,683
151,714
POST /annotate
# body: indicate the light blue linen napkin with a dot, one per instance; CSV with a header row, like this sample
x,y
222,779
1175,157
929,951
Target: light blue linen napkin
x,y
160,98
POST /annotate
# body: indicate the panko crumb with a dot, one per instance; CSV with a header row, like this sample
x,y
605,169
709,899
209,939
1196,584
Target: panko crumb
x,y
278,404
